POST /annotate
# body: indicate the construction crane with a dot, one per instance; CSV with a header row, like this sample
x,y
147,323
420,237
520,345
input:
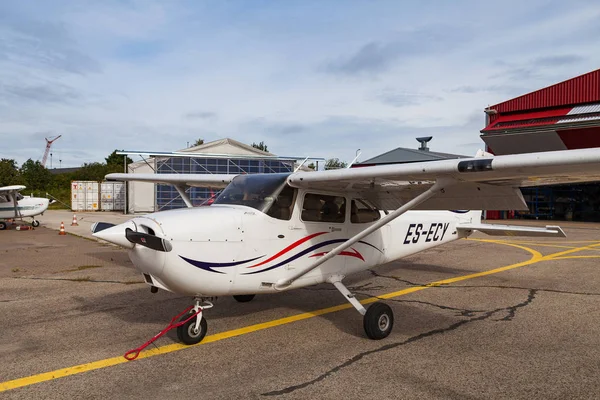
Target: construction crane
x,y
48,145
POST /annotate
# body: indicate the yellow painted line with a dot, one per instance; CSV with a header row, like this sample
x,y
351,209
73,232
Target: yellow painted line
x,y
572,257
535,242
108,362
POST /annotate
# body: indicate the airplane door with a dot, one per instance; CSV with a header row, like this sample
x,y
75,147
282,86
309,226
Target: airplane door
x,y
369,251
321,226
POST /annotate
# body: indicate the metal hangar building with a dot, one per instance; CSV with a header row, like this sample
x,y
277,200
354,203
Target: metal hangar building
x,y
224,156
559,117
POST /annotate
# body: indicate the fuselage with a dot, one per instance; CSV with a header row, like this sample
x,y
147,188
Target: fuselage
x,y
26,207
234,249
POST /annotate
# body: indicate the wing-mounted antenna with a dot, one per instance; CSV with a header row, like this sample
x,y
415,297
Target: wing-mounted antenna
x,y
358,153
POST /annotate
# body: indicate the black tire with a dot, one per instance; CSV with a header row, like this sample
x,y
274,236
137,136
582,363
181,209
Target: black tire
x,y
185,332
378,321
35,223
244,298
3,225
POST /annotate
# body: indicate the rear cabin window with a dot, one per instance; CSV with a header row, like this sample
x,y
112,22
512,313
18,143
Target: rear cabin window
x,y
3,199
362,212
323,208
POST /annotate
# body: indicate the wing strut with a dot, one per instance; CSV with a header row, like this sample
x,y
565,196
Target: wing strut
x,y
186,199
438,186
16,204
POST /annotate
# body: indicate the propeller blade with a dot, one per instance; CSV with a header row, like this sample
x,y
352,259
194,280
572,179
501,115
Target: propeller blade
x,y
100,226
149,241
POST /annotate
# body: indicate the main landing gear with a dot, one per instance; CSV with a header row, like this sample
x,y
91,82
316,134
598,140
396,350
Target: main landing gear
x,y
378,319
194,329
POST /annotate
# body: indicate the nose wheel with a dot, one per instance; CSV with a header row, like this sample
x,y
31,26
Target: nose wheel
x,y
189,334
193,328
35,223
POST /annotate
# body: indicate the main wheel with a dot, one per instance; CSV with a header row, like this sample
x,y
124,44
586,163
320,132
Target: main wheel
x,y
35,223
378,321
186,333
2,225
244,298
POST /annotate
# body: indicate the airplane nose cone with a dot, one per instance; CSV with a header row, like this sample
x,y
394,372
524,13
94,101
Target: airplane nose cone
x,y
116,234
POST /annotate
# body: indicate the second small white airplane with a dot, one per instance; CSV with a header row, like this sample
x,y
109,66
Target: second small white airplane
x,y
272,232
13,205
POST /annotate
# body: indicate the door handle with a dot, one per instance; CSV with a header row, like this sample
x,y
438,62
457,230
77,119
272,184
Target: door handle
x,y
334,229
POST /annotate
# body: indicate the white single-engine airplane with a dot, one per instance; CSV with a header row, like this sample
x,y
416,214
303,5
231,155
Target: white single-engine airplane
x,y
272,232
13,205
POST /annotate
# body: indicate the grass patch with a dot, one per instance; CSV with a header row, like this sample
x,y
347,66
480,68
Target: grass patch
x,y
15,270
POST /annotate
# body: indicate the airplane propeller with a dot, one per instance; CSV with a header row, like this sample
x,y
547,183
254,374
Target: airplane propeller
x,y
147,240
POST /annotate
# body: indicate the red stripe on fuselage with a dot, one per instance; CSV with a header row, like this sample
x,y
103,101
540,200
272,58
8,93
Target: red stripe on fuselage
x,y
290,247
354,254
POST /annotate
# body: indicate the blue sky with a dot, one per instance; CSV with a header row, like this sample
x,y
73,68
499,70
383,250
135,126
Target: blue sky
x,y
318,78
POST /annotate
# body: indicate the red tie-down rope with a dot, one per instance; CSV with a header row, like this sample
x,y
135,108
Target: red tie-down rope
x,y
133,354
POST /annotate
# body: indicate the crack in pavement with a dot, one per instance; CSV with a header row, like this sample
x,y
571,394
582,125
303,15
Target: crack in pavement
x,y
448,286
378,275
464,312
488,314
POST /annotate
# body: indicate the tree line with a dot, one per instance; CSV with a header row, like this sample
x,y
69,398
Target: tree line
x,y
39,180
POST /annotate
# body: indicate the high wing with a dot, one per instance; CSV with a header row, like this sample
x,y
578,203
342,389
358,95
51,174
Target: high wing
x,y
11,189
473,183
179,181
200,180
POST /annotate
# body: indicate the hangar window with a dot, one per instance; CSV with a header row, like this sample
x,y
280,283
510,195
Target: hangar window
x,y
323,208
362,212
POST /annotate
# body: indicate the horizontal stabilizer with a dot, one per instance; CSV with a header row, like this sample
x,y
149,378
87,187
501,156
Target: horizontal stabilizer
x,y
511,230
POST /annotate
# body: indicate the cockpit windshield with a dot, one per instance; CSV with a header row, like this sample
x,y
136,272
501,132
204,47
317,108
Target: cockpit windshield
x,y
257,191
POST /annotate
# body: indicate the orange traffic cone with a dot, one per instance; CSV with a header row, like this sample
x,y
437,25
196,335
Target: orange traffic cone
x,y
74,223
62,229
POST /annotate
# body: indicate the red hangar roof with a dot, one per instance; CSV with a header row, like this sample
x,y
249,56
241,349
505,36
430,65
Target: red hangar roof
x,y
559,117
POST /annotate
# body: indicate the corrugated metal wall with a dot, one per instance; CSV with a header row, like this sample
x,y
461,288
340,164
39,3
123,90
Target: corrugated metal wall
x,y
581,89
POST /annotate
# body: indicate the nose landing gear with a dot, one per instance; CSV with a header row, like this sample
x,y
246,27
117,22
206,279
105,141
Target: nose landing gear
x,y
193,326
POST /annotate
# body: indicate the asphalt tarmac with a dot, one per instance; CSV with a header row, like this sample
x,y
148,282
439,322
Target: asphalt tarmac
x,y
478,318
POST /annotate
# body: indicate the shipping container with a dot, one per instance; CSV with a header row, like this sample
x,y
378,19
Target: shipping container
x,y
84,196
95,196
112,196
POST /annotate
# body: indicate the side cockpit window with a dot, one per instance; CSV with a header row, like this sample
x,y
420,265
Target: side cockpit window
x,y
283,204
362,212
323,208
3,198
